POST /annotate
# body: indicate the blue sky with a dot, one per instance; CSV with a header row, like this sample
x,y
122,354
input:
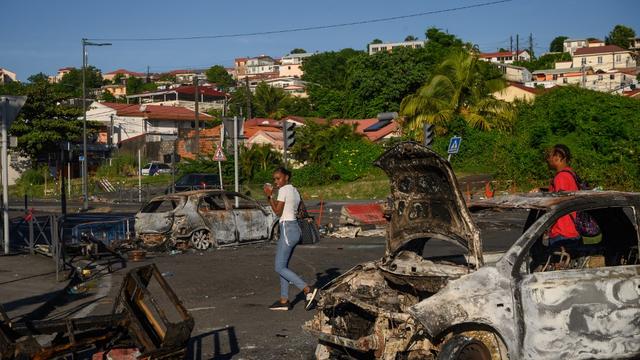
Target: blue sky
x,y
44,35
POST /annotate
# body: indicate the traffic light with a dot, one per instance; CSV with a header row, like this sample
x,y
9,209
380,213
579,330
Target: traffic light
x,y
429,134
289,134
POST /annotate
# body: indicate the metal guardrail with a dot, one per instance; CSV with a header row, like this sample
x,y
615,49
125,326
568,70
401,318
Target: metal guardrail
x,y
107,232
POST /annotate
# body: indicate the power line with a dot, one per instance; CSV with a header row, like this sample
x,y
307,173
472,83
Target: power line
x,y
309,28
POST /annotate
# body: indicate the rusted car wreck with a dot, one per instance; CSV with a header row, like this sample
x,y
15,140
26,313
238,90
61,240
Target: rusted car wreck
x,y
203,218
509,305
154,323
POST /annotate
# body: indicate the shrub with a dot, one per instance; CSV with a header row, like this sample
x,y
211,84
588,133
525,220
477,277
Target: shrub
x,y
312,175
354,158
121,165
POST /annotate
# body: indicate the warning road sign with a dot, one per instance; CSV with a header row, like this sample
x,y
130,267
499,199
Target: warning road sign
x,y
219,155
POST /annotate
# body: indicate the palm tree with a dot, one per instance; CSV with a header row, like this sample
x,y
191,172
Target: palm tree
x,y
457,88
267,100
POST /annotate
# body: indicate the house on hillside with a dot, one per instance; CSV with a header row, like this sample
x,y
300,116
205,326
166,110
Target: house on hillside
x,y
124,73
388,47
505,57
61,73
7,76
516,91
514,73
603,57
183,96
373,129
152,128
291,65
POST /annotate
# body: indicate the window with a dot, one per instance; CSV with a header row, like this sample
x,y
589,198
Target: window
x,y
243,202
161,206
611,77
212,203
600,77
599,59
618,58
584,61
555,76
565,80
617,245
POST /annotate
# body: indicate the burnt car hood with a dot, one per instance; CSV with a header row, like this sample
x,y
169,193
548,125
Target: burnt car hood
x,y
425,200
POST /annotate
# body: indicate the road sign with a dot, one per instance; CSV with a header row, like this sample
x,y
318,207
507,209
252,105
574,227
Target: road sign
x,y
80,158
454,145
219,155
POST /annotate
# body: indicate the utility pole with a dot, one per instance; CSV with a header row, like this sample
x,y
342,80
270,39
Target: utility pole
x,y
235,157
111,132
148,75
197,96
511,43
517,44
246,83
531,45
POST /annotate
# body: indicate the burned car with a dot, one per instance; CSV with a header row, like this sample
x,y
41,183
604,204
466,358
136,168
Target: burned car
x,y
203,218
521,303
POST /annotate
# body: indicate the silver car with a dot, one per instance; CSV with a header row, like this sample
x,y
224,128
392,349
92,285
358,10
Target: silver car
x,y
203,218
531,301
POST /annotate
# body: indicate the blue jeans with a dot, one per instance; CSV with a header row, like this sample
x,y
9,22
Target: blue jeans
x,y
289,238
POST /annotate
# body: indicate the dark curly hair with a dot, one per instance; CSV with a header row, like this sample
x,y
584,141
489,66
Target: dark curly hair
x,y
562,151
283,171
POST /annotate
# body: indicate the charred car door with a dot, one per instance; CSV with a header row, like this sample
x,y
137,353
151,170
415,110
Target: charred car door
x,y
251,218
590,307
156,217
219,218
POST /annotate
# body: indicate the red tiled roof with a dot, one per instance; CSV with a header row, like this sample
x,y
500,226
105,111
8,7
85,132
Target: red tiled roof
x,y
125,72
632,93
263,122
526,88
66,68
250,131
157,112
595,41
598,50
500,54
365,123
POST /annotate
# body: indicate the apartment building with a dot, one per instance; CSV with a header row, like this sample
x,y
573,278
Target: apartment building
x,y
7,76
603,57
376,48
505,57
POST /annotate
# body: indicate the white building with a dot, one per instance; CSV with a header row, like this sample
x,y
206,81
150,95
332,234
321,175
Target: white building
x,y
571,45
603,58
261,65
505,57
376,48
291,65
7,76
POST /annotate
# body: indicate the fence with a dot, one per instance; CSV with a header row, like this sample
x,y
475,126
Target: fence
x,y
108,232
41,234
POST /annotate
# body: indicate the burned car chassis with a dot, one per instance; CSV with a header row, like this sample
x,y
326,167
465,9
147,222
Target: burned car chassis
x,y
406,306
138,320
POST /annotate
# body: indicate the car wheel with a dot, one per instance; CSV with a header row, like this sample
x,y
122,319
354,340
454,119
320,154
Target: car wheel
x,y
275,233
464,348
201,239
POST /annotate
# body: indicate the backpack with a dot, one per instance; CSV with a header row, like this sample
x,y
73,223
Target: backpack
x,y
586,225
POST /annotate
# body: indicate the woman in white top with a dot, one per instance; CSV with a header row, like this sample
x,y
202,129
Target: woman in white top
x,y
286,207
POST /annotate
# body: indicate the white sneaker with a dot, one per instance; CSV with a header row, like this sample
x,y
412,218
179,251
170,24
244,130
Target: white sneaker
x,y
311,298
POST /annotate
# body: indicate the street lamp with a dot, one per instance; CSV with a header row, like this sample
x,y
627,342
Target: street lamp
x,y
85,195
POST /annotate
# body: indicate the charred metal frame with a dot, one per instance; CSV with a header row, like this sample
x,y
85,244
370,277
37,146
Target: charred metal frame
x,y
131,323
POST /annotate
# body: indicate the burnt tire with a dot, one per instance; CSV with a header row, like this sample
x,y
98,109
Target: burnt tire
x,y
464,348
201,240
275,233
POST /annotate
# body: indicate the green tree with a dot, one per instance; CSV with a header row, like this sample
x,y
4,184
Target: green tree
x,y
119,79
459,88
557,44
376,41
72,81
38,78
437,36
620,35
218,75
316,142
136,86
546,61
108,97
267,100
46,118
298,51
410,38
238,102
292,105
258,162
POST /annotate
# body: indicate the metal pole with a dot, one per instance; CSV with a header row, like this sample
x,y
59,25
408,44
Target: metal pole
x,y
235,155
5,176
139,176
284,142
85,196
197,95
173,167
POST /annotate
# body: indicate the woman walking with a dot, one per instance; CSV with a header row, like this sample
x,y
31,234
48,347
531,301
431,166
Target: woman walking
x,y
286,207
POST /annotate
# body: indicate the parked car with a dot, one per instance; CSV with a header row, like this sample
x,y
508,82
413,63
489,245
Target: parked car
x,y
155,169
528,302
203,218
190,182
